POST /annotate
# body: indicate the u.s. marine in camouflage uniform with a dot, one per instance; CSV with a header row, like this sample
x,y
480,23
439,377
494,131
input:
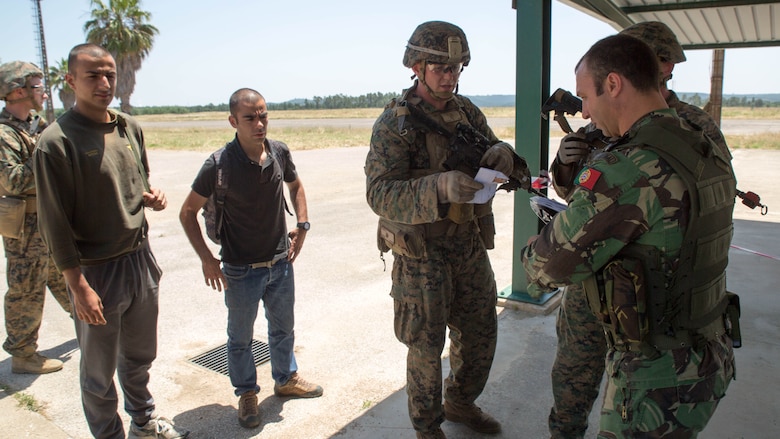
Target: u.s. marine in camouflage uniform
x,y
579,363
30,269
634,236
442,276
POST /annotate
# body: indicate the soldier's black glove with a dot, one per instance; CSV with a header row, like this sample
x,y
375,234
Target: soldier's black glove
x,y
573,149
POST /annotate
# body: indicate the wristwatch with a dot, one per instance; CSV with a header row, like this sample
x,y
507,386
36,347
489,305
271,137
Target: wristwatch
x,y
303,225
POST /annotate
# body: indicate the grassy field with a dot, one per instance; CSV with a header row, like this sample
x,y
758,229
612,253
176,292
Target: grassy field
x,y
208,139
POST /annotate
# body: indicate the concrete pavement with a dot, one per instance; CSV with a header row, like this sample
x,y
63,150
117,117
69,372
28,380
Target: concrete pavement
x,y
344,335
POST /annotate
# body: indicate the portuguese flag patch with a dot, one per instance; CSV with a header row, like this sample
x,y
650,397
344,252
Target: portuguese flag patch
x,y
588,178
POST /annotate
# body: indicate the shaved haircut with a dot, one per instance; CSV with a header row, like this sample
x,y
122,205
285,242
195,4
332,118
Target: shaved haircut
x,y
89,49
244,95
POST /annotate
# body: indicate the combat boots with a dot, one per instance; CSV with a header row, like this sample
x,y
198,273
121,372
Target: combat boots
x,y
35,364
472,417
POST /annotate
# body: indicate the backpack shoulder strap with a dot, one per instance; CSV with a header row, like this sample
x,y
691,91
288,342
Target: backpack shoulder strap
x,y
220,188
277,156
221,184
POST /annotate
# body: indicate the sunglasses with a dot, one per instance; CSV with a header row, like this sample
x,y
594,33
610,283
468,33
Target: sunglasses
x,y
441,69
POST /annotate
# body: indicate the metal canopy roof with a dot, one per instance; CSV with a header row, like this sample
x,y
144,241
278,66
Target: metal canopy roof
x,y
698,24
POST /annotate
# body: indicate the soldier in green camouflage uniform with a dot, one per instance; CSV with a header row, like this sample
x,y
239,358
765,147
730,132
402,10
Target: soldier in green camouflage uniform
x,y
579,362
442,276
29,268
622,236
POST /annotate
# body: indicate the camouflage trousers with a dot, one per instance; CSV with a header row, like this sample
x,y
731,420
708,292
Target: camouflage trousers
x,y
453,287
29,271
579,365
673,396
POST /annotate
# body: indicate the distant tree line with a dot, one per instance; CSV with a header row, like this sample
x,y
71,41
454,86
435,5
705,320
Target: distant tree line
x,y
179,109
732,101
370,100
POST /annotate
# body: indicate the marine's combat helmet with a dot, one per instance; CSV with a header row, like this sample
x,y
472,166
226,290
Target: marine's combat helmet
x,y
437,42
660,38
14,75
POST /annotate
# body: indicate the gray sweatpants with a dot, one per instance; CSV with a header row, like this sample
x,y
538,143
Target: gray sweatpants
x,y
127,344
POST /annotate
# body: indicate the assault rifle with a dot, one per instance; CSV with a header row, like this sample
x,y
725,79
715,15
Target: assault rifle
x,y
562,102
468,146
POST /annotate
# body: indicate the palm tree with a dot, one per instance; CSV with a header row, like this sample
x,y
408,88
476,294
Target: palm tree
x,y
57,81
122,28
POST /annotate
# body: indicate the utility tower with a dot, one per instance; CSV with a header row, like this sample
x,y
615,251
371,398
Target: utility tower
x,y
38,22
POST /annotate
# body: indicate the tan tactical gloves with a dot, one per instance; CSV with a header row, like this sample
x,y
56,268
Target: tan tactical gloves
x,y
499,157
456,187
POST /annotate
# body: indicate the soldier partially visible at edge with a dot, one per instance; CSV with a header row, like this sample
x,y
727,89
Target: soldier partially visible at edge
x,y
29,268
92,173
579,362
642,233
441,275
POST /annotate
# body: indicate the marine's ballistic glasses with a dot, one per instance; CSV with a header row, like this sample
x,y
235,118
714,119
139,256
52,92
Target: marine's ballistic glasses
x,y
441,69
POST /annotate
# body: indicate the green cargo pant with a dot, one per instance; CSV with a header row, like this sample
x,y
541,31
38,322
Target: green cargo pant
x,y
29,271
579,365
453,287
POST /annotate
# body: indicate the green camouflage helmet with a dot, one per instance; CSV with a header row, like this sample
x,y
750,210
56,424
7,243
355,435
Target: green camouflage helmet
x,y
14,75
437,42
659,37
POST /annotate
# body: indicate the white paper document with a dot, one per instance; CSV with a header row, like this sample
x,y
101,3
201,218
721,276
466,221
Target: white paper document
x,y
490,180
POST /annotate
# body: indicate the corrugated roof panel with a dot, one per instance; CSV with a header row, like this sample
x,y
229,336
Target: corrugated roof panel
x,y
768,21
698,24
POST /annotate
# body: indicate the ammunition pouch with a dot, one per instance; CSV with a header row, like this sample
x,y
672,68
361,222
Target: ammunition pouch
x,y
446,228
617,296
12,211
487,224
404,239
460,213
628,300
487,231
731,319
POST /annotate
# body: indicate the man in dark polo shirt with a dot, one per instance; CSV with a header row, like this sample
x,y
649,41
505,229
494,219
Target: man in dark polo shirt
x,y
257,251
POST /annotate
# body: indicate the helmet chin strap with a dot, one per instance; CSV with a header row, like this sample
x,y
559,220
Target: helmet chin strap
x,y
441,96
29,96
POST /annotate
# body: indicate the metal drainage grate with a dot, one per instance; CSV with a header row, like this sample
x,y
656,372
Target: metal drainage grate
x,y
216,359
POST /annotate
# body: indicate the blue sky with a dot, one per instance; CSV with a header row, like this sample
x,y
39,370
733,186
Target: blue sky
x,y
206,49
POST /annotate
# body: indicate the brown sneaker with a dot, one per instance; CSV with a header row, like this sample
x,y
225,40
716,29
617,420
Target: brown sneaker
x,y
35,364
436,434
297,387
248,412
472,417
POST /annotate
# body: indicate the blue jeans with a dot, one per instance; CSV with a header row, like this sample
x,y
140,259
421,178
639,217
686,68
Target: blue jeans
x,y
246,286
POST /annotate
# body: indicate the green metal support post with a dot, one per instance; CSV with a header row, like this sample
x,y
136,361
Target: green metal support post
x,y
531,131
